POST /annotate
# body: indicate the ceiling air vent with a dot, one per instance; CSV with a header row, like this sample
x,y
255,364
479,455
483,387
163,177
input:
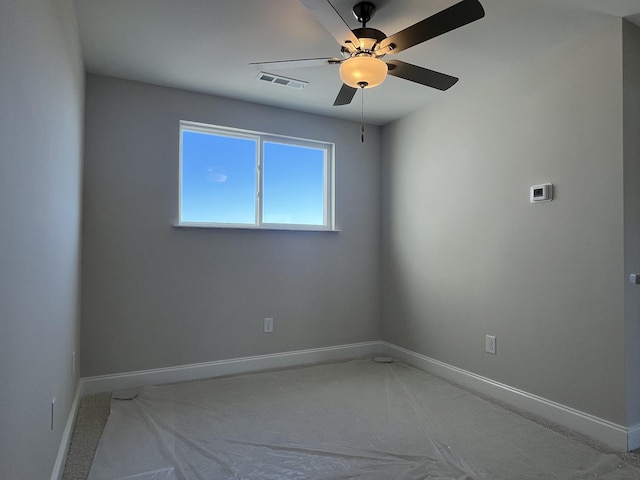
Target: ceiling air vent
x,y
279,80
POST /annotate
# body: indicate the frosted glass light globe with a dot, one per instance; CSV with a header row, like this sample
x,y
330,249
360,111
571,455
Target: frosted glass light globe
x,y
361,69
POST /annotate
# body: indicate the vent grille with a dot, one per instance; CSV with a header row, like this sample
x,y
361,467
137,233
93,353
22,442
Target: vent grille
x,y
284,81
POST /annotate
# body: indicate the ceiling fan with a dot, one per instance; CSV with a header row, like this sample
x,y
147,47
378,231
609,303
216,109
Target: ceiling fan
x,y
361,65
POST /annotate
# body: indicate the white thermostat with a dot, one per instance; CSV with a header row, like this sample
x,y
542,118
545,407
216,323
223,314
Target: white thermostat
x,y
541,193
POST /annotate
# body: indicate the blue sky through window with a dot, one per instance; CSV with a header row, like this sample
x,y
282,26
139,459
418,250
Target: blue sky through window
x,y
293,184
220,172
218,178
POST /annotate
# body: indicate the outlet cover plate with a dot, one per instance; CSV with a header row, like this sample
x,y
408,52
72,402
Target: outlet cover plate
x,y
490,344
268,325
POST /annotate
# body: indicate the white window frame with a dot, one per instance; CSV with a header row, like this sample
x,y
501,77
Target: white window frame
x,y
261,138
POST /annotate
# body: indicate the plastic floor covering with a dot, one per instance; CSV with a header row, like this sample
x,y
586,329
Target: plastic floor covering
x,y
351,420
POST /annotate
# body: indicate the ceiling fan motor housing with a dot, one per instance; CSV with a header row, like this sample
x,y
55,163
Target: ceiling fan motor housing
x,y
374,36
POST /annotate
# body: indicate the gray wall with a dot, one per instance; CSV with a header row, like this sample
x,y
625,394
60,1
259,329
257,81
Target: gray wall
x,y
631,69
157,296
466,254
41,105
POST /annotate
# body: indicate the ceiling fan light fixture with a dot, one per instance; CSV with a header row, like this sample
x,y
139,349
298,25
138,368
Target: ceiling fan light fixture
x,y
362,70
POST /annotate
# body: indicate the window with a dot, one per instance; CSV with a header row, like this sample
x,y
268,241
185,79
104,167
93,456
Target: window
x,y
235,178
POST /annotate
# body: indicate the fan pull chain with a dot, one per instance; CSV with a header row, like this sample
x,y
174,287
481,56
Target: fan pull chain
x,y
362,114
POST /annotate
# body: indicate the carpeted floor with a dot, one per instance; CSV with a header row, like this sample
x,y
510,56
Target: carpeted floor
x,y
94,411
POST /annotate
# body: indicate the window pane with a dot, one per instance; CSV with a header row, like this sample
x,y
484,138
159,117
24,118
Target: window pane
x,y
218,178
293,184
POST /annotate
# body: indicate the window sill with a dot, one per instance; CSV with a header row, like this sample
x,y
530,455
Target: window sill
x,y
270,228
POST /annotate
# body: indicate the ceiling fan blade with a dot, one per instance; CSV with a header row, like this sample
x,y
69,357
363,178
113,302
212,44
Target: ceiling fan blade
x,y
457,15
299,63
345,95
420,75
331,20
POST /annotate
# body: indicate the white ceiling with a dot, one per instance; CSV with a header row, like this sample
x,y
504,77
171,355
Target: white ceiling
x,y
207,45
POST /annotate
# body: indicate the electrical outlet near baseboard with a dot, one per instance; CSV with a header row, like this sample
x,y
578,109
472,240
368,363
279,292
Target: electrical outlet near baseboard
x,y
490,344
268,325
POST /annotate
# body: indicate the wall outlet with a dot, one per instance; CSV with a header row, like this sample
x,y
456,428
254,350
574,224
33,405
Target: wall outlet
x,y
268,325
490,344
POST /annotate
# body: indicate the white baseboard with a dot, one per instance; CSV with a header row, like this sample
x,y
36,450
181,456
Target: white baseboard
x,y
633,437
608,433
199,371
58,467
